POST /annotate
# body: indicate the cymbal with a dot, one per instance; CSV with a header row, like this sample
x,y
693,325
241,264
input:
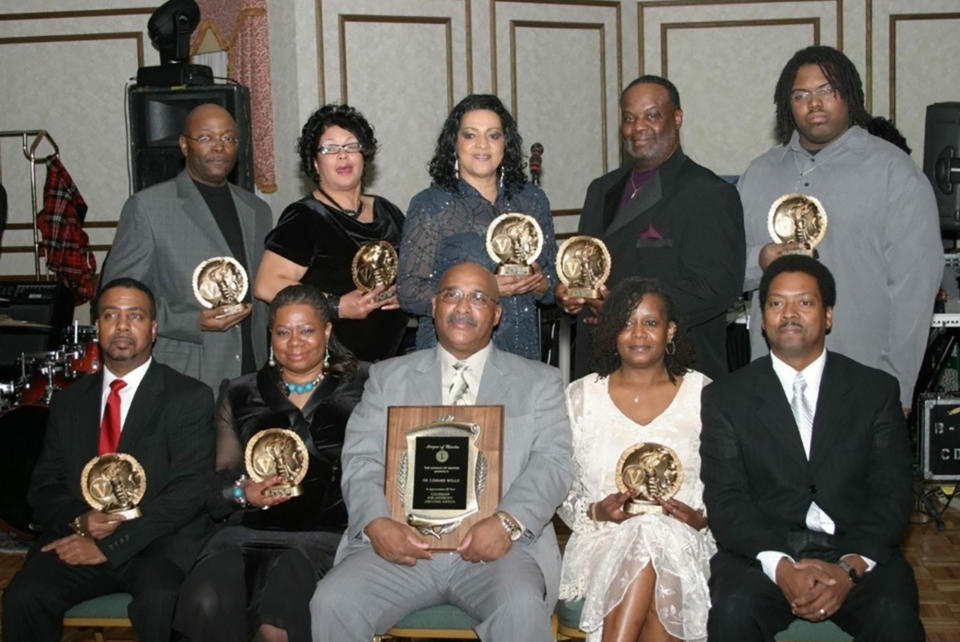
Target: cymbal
x,y
10,322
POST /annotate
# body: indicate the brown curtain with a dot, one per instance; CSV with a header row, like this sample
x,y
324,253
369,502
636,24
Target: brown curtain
x,y
240,26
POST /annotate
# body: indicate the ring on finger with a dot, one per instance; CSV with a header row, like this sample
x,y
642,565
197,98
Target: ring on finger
x,y
823,613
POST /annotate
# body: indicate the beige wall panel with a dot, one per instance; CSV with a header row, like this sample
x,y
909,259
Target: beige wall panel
x,y
405,96
729,120
914,54
924,75
654,18
725,58
558,65
75,90
566,117
458,12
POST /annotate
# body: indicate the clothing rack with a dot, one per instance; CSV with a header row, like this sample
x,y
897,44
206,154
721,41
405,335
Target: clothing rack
x,y
29,148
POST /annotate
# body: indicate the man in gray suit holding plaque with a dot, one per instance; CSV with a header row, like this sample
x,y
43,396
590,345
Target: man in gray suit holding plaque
x,y
166,230
506,569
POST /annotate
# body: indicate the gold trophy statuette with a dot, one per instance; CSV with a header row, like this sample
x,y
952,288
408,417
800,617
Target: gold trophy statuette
x,y
220,281
652,470
373,265
583,265
277,451
798,218
114,483
514,240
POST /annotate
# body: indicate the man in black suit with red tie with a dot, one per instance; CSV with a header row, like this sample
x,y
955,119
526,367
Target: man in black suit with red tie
x,y
164,420
806,468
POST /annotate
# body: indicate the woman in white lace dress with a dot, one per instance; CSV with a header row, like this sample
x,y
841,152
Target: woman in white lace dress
x,y
642,576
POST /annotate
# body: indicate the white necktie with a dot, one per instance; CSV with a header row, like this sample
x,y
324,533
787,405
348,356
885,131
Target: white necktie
x,y
459,385
802,412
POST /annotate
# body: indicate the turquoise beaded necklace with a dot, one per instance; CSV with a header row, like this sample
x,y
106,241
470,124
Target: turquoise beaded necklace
x,y
300,388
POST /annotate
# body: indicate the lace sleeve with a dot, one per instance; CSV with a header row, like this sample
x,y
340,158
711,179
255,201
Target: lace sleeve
x,y
574,509
229,455
229,463
416,282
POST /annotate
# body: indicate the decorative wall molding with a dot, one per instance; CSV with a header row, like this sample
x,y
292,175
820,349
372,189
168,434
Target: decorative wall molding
x,y
645,5
358,17
606,4
421,20
894,20
666,27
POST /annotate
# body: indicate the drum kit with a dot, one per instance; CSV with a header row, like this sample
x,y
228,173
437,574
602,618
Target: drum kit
x,y
24,409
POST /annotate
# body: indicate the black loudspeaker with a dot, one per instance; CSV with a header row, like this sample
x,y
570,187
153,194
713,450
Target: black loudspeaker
x,y
49,303
156,122
941,160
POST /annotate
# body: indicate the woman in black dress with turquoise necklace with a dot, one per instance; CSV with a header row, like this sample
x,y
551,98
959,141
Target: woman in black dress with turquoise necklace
x,y
316,237
255,577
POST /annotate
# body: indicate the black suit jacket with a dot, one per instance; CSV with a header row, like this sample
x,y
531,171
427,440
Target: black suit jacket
x,y
758,483
169,431
700,256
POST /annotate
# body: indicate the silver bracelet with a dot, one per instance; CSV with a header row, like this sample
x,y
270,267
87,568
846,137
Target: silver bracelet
x,y
239,492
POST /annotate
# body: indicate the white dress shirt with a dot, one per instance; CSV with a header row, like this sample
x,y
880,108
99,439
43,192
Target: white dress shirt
x,y
816,518
132,379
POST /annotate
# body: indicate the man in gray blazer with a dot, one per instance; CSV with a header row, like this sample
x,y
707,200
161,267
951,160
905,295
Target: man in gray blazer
x,y
167,229
505,573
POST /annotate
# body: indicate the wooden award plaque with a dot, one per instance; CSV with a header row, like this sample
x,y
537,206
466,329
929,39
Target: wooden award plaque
x,y
443,468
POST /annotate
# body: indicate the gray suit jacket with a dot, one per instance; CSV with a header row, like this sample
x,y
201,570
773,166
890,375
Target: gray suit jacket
x,y
537,465
163,233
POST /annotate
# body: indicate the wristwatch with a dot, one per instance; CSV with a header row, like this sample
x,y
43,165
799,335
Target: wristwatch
x,y
849,570
513,529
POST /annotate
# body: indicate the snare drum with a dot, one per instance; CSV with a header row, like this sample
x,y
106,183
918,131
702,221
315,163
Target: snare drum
x,y
43,373
22,429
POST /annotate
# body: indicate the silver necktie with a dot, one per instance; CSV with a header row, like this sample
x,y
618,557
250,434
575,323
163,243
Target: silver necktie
x,y
459,385
802,412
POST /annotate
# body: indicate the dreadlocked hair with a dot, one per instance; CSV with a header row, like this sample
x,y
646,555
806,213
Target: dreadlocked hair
x,y
839,71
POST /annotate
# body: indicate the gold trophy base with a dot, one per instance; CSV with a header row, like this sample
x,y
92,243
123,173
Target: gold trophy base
x,y
583,293
811,252
284,489
637,507
509,269
130,513
228,310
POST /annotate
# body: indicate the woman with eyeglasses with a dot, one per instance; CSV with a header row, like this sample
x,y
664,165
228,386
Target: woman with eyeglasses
x,y
477,172
317,237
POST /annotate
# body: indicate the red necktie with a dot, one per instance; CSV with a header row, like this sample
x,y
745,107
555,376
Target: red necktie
x,y
110,425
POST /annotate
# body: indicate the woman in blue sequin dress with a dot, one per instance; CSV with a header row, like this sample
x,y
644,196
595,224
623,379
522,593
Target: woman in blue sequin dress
x,y
477,172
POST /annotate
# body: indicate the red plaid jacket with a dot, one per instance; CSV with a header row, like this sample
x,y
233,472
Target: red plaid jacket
x,y
65,244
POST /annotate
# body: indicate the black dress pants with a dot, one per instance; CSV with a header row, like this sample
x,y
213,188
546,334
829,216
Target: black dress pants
x,y
747,606
45,588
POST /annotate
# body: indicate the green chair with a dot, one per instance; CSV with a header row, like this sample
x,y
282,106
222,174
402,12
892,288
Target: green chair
x,y
568,614
568,620
444,621
805,631
105,611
